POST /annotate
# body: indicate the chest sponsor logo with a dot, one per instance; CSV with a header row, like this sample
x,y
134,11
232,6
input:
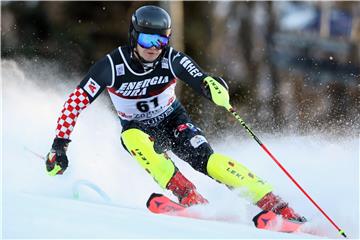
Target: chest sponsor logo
x,y
190,67
139,88
92,87
120,70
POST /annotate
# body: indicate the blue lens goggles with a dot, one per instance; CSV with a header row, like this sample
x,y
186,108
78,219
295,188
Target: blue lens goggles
x,y
149,40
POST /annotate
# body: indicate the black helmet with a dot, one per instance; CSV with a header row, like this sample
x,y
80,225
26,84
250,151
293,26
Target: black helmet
x,y
149,19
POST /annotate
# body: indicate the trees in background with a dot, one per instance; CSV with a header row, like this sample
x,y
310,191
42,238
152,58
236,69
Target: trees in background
x,y
289,65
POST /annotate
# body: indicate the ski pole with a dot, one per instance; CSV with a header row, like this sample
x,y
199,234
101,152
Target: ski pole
x,y
220,96
56,168
35,153
251,133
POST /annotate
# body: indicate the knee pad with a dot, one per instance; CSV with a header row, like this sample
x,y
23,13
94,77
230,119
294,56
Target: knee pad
x,y
199,159
192,146
235,175
141,147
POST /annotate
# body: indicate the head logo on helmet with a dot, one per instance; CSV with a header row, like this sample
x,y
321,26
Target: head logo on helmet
x,y
149,19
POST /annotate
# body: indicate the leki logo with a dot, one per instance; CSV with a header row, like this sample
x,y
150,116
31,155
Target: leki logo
x,y
139,88
190,67
235,173
216,87
140,156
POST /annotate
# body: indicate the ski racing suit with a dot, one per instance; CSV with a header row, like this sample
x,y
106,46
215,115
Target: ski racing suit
x,y
154,121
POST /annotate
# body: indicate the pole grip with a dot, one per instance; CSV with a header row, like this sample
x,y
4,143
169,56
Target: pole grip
x,y
55,170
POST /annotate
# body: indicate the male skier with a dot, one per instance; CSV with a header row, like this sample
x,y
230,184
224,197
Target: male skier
x,y
140,79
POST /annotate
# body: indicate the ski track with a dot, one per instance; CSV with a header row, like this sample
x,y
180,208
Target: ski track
x,y
35,205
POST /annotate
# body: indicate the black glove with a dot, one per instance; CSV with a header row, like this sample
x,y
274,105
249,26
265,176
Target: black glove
x,y
56,159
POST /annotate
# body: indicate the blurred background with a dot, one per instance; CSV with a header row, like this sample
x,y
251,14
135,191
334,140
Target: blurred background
x,y
290,66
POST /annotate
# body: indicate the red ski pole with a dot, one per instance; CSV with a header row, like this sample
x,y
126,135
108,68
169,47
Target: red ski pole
x,y
237,116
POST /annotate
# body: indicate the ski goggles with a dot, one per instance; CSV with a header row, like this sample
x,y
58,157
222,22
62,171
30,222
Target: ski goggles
x,y
152,40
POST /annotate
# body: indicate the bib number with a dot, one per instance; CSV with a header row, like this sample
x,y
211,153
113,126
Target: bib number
x,y
144,106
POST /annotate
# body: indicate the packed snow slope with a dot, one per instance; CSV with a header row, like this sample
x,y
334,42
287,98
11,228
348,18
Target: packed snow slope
x,y
35,205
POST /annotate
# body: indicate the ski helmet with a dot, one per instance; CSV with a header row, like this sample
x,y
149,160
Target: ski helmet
x,y
149,19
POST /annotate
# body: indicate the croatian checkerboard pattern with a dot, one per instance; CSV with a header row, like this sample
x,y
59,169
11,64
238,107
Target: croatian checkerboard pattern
x,y
77,101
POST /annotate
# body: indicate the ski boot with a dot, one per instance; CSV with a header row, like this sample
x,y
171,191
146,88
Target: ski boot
x,y
270,221
273,203
185,191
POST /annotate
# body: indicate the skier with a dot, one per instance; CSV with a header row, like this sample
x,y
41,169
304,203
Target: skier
x,y
140,79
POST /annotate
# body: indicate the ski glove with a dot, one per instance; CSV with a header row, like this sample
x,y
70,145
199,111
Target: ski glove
x,y
56,159
216,89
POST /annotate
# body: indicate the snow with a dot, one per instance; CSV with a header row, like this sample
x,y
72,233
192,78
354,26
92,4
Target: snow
x,y
35,205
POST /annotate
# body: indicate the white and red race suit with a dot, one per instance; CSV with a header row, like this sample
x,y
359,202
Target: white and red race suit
x,y
137,94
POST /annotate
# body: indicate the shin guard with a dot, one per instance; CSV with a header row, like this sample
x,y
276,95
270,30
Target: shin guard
x,y
141,147
237,176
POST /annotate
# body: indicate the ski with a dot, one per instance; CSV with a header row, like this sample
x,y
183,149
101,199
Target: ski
x,y
270,221
160,204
